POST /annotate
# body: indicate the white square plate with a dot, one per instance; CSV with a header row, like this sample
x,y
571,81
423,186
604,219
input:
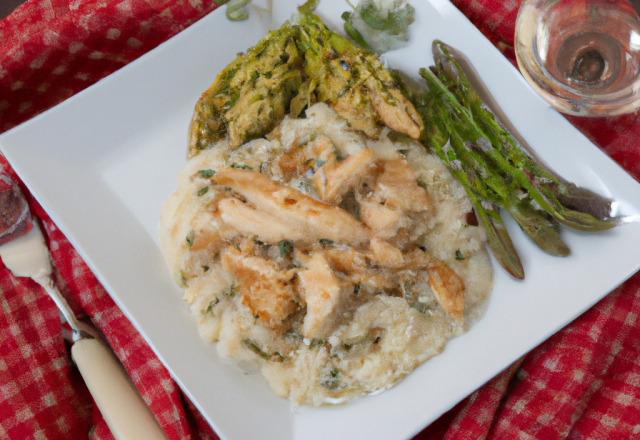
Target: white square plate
x,y
103,162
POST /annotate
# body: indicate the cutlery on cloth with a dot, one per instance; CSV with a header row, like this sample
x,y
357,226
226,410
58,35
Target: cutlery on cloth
x,y
25,253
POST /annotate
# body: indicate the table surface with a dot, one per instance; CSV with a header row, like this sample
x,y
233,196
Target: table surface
x,y
581,383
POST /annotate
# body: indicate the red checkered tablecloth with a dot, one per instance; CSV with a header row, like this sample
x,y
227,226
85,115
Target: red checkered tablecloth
x,y
584,382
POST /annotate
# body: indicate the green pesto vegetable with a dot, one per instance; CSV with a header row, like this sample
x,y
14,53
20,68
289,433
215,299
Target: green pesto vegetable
x,y
290,69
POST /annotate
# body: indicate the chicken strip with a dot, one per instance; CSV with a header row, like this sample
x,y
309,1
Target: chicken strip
x,y
398,188
333,181
252,222
448,288
322,293
267,291
318,220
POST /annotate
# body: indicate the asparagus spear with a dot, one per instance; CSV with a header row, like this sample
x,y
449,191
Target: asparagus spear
x,y
495,171
545,187
436,136
491,179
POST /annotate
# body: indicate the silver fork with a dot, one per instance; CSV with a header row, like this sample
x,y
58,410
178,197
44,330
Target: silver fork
x,y
124,410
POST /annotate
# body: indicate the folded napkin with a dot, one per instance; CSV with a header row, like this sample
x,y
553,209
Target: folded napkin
x,y
584,382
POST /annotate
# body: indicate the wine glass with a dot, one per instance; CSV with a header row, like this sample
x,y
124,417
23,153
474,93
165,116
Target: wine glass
x,y
581,56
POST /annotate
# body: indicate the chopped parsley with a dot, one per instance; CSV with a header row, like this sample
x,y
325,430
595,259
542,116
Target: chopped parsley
x,y
212,304
330,379
312,137
232,291
203,191
191,236
276,356
207,173
183,279
241,166
459,255
286,247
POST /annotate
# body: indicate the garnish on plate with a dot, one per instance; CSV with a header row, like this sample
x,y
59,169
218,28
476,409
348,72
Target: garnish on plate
x,y
379,25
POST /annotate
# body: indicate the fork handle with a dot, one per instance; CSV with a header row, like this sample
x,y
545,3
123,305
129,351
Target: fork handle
x,y
124,410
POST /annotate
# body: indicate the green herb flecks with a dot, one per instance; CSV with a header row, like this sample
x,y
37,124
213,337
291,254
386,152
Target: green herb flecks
x,y
232,291
241,166
275,356
421,304
203,191
191,236
459,255
207,173
286,248
305,140
330,378
182,279
211,305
